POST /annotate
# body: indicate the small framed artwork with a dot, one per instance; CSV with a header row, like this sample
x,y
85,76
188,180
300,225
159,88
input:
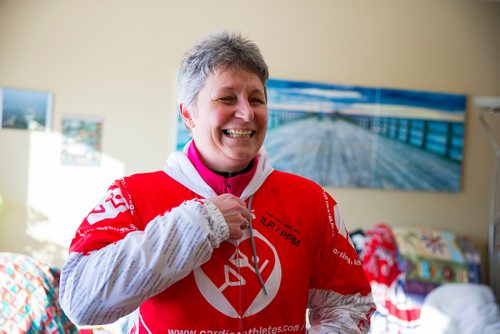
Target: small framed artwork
x,y
25,109
81,141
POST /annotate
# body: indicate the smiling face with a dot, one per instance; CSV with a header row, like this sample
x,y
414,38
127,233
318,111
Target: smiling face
x,y
228,120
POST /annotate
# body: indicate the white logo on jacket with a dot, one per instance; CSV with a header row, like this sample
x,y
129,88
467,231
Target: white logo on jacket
x,y
238,271
111,205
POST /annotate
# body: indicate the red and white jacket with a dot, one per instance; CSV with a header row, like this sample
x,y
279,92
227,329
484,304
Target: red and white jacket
x,y
155,248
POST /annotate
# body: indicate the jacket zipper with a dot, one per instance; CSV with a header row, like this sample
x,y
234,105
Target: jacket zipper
x,y
238,262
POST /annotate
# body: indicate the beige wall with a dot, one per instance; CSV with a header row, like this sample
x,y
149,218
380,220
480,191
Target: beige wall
x,y
117,60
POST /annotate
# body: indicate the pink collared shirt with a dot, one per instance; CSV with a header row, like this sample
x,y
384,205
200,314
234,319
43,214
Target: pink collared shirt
x,y
220,184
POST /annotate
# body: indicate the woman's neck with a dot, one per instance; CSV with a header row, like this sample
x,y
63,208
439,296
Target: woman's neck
x,y
231,174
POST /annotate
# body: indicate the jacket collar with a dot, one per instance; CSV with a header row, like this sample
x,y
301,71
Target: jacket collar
x,y
181,169
221,183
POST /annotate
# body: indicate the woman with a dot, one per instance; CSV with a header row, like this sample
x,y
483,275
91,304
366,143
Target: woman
x,y
218,242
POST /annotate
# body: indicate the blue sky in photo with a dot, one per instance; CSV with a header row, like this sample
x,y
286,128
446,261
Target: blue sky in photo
x,y
21,99
342,96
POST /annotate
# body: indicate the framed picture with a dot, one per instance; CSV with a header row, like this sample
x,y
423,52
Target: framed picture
x,y
81,141
25,109
364,137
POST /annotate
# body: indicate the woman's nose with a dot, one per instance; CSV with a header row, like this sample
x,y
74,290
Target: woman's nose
x,y
245,111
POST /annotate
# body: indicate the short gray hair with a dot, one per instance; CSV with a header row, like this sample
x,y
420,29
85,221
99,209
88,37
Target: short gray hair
x,y
217,50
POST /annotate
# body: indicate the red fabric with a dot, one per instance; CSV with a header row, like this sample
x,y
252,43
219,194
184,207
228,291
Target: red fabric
x,y
379,255
408,315
380,262
298,237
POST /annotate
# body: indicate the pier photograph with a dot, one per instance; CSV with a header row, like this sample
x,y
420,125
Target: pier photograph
x,y
361,137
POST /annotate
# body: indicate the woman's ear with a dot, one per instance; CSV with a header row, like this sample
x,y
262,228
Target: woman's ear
x,y
186,116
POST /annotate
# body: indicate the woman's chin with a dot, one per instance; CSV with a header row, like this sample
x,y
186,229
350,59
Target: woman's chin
x,y
238,160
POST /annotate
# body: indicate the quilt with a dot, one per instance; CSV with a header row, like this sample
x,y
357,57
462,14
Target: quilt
x,y
404,264
29,291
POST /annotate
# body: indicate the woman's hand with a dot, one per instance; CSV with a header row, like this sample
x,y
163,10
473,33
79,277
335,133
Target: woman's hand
x,y
235,213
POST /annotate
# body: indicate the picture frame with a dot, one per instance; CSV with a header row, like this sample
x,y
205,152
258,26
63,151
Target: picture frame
x,y
25,109
81,140
367,137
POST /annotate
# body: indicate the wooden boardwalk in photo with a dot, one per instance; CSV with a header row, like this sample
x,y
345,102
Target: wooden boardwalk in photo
x,y
340,154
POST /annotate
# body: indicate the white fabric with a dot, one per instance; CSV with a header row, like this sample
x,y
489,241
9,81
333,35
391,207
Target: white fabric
x,y
322,313
460,309
137,265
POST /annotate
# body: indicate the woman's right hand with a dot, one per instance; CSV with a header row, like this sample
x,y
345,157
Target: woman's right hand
x,y
235,213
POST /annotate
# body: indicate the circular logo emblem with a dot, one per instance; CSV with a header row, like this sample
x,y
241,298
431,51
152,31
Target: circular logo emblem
x,y
232,268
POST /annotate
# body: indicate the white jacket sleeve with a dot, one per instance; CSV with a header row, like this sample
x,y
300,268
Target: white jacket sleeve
x,y
106,284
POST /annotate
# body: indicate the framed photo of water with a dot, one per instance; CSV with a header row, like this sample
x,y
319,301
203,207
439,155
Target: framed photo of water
x,y
25,109
364,137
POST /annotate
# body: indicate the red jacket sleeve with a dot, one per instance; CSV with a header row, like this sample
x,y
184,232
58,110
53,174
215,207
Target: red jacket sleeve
x,y
340,299
108,222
